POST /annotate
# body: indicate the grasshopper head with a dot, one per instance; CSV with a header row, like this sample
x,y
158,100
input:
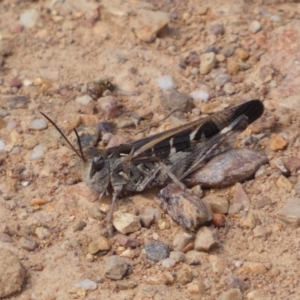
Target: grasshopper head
x,y
95,169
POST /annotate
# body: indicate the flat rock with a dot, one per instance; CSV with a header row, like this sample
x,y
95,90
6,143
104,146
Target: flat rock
x,y
184,207
205,240
290,212
125,222
115,267
12,273
157,251
235,165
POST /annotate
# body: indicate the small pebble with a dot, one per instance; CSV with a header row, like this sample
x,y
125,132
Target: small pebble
x,y
255,27
84,100
242,53
42,232
157,251
115,267
196,288
232,281
232,66
168,263
166,82
2,145
217,204
221,79
16,82
79,226
232,294
29,18
178,256
290,212
126,241
86,284
229,88
37,152
216,29
207,62
184,274
12,273
27,82
5,238
38,124
253,267
99,244
201,95
148,217
28,243
205,240
228,50
278,142
108,106
125,222
96,213
181,240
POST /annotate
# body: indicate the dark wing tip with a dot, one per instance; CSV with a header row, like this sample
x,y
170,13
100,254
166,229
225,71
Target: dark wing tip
x,y
253,109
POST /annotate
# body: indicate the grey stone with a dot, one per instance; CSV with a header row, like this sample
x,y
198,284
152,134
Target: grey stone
x,y
115,267
157,251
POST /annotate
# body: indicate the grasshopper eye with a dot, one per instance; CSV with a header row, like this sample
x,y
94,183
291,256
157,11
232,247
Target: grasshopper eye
x,y
98,163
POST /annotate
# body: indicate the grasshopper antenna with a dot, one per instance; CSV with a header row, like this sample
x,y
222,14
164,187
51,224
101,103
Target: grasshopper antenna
x,y
78,153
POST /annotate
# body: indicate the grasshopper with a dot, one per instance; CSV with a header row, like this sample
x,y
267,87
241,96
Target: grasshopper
x,y
164,157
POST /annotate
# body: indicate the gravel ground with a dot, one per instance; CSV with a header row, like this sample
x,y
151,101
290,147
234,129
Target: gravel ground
x,y
129,63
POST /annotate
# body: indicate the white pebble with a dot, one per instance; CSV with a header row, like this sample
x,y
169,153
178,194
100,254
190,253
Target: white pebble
x,y
25,183
38,124
238,263
86,284
83,100
37,152
255,27
2,145
200,95
27,82
29,18
166,82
